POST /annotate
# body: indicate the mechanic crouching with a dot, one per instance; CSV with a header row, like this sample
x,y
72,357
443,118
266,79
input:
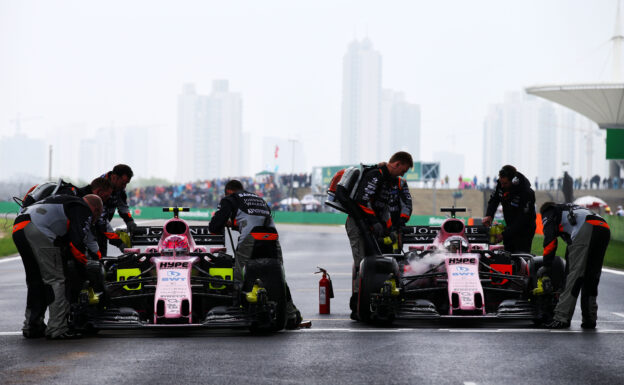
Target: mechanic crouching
x,y
587,236
243,211
43,234
513,191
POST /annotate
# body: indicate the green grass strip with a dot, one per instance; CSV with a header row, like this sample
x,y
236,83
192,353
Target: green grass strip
x,y
7,247
614,257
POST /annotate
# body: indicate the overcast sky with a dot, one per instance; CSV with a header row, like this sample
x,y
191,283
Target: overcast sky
x,y
125,61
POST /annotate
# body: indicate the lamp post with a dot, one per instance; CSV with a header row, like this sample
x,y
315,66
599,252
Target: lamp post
x,y
292,173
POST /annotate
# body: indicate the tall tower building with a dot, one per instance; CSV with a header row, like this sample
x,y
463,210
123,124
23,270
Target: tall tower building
x,y
541,139
209,133
361,103
400,126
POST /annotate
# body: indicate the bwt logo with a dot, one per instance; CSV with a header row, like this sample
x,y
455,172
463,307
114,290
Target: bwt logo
x,y
458,268
173,276
173,265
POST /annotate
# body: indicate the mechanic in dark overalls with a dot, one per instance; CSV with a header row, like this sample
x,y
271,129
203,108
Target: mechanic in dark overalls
x,y
380,196
587,236
41,233
119,177
513,191
103,231
243,211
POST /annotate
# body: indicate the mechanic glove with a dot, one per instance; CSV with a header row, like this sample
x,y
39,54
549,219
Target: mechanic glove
x,y
496,230
544,284
118,243
124,237
542,271
378,230
131,227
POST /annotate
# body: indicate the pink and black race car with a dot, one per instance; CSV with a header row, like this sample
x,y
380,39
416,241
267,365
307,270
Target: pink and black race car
x,y
176,281
452,271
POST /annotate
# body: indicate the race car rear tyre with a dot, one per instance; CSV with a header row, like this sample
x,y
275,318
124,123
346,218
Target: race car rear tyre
x,y
271,273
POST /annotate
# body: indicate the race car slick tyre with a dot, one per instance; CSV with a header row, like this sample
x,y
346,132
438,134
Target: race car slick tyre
x,y
373,273
270,272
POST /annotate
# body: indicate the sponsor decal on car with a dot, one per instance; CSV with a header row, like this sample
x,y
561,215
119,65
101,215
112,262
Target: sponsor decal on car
x,y
456,261
462,271
173,265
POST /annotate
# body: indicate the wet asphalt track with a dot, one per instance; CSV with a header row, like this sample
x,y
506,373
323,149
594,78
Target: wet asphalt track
x,y
335,350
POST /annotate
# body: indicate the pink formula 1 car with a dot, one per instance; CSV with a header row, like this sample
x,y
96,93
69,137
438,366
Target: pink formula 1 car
x,y
452,271
176,281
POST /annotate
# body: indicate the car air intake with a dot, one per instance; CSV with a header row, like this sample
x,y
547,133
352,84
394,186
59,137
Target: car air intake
x,y
185,307
455,300
160,308
478,301
176,227
453,226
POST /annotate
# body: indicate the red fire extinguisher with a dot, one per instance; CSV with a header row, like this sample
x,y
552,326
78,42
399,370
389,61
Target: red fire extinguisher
x,y
326,291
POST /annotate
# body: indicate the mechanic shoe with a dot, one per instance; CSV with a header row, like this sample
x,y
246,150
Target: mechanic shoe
x,y
589,325
68,335
354,316
35,332
556,324
294,321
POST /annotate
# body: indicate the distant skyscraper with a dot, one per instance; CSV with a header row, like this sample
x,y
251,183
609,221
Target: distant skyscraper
x,y
541,139
361,103
21,156
209,133
400,126
451,164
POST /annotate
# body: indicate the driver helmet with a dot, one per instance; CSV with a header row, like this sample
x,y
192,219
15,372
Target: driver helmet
x,y
176,242
455,243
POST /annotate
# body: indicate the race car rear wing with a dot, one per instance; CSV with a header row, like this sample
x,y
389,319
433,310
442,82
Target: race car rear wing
x,y
150,235
427,234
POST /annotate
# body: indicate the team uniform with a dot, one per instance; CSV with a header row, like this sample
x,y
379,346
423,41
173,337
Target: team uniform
x,y
41,233
519,213
118,201
245,210
385,204
587,236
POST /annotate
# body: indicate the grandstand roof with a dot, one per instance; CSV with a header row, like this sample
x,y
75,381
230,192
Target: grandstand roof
x,y
601,102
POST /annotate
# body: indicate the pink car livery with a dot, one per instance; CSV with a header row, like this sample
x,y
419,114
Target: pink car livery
x,y
450,271
176,281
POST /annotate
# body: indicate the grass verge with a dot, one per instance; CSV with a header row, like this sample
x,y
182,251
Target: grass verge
x,y
614,256
7,247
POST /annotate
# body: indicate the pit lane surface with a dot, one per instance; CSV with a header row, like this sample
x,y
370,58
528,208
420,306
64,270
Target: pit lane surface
x,y
335,350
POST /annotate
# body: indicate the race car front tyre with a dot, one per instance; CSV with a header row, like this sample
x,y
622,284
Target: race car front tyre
x,y
374,271
271,273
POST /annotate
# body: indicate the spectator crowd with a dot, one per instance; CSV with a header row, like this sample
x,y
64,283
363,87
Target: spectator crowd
x,y
207,193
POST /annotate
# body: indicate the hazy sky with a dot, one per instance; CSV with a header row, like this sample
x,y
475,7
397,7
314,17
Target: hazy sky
x,y
125,61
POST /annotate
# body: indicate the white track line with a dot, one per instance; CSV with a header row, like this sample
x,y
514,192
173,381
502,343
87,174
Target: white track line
x,y
347,330
8,259
618,272
471,331
619,314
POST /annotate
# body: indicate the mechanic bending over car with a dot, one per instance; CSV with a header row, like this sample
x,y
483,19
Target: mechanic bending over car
x,y
243,211
587,236
384,200
119,177
513,191
103,230
44,234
